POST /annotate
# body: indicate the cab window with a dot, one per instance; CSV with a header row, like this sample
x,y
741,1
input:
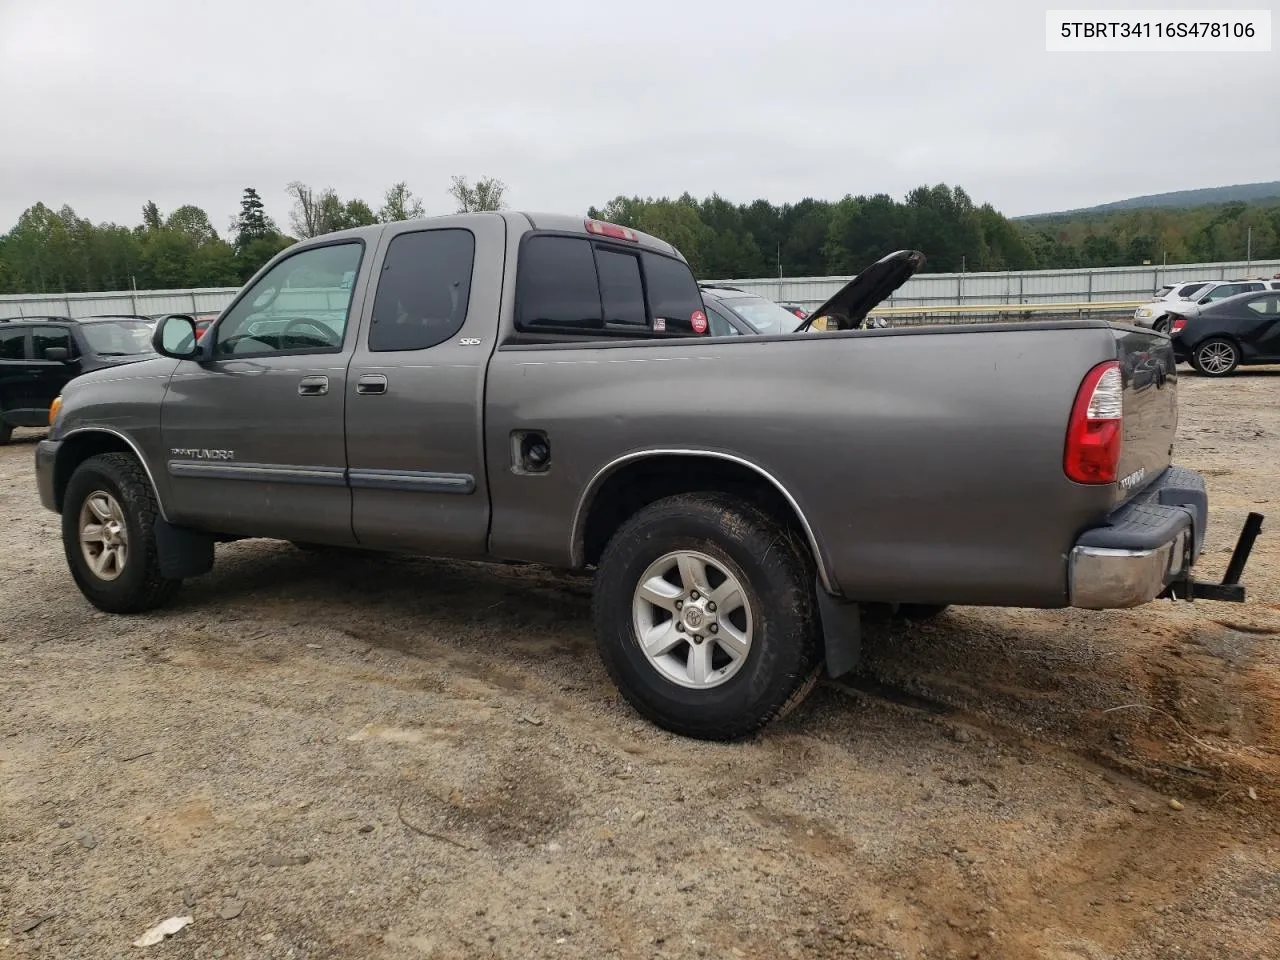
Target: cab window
x,y
300,306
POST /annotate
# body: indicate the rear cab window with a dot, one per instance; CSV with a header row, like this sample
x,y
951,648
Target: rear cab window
x,y
574,287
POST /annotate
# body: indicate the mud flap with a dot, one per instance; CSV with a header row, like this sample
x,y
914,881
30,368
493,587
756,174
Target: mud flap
x,y
182,553
841,632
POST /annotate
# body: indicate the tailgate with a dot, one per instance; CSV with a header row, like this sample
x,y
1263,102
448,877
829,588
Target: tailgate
x,y
1150,407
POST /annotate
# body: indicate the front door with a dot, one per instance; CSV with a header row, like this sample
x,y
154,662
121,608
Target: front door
x,y
52,375
254,436
1266,331
415,391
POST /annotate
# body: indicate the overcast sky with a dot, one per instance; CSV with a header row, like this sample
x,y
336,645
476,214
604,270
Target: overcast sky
x,y
109,104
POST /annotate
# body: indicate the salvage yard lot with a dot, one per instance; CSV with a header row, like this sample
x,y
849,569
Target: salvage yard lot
x,y
359,757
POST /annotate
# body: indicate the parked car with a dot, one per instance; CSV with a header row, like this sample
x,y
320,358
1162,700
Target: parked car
x,y
800,312
540,388
1156,314
732,311
1178,291
1221,336
40,355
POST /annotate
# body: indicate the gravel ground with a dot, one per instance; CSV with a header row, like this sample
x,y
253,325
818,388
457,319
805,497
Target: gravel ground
x,y
403,759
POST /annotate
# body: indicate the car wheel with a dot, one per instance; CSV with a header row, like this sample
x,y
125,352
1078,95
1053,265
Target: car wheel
x,y
1216,357
6,431
1161,325
108,534
706,616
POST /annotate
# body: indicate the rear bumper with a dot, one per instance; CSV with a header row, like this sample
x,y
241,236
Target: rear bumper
x,y
1144,546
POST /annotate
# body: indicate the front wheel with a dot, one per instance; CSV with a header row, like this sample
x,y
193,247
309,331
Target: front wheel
x,y
1161,325
1216,357
108,534
705,614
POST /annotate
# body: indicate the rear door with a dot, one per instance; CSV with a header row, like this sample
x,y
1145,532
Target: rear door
x,y
17,377
255,435
415,391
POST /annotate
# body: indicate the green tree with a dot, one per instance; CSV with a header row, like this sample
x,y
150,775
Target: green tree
x,y
252,224
400,204
487,194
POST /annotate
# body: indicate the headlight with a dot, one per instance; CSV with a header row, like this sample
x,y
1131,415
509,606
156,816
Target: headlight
x,y
1143,312
54,408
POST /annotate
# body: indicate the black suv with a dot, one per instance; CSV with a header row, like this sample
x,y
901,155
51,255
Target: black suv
x,y
39,355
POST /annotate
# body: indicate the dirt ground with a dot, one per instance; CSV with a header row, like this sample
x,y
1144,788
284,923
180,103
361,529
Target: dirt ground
x,y
318,758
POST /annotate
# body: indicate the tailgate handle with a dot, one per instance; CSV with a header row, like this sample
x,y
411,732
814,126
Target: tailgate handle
x,y
370,384
313,386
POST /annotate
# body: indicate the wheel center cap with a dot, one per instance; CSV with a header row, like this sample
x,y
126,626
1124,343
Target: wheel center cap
x,y
694,618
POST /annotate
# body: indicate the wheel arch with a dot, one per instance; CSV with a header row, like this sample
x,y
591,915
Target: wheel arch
x,y
636,479
81,444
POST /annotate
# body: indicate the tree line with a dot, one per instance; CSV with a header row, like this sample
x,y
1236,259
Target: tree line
x,y
53,251
57,251
723,240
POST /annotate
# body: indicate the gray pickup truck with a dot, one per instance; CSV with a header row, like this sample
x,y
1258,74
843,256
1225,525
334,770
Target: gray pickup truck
x,y
547,389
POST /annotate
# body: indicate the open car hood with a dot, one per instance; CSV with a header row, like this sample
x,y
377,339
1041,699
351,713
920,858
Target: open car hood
x,y
852,302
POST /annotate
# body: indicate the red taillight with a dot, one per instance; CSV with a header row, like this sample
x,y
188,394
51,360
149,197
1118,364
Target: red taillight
x,y
602,229
1179,324
1096,427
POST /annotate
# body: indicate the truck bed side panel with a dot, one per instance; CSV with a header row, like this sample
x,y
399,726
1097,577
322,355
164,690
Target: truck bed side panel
x,y
929,466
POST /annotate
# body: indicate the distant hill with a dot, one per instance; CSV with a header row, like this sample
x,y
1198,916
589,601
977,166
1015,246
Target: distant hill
x,y
1206,196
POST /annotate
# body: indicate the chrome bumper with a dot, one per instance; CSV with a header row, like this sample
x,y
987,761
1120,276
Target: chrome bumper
x,y
1104,578
1146,544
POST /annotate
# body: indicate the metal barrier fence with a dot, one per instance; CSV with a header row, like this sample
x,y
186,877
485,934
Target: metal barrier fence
x,y
1057,289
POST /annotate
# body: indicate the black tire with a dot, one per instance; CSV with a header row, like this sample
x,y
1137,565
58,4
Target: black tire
x,y
6,431
776,573
1161,325
1216,357
139,586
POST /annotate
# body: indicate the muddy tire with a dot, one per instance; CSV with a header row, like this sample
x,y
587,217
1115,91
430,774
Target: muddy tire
x,y
108,535
706,616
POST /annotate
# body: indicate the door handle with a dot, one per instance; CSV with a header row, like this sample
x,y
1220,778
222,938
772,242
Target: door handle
x,y
370,384
313,386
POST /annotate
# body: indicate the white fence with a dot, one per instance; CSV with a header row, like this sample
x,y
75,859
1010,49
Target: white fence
x,y
1105,284
1108,284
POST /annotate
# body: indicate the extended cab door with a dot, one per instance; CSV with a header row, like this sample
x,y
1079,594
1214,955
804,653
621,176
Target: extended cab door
x,y
254,436
415,393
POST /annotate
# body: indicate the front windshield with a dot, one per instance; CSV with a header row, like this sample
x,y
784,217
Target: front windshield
x,y
118,338
765,315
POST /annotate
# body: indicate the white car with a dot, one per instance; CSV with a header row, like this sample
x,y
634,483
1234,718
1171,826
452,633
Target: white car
x,y
1155,314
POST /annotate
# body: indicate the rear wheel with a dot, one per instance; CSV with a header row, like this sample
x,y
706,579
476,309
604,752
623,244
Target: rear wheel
x,y
108,535
706,618
1216,357
1161,325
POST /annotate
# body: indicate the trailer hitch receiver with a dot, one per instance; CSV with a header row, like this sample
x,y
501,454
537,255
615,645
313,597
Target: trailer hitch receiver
x,y
1230,589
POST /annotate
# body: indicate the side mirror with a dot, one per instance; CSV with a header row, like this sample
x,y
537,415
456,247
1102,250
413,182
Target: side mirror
x,y
59,354
175,336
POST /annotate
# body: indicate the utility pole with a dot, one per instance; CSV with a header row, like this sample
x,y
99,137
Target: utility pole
x,y
1248,251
